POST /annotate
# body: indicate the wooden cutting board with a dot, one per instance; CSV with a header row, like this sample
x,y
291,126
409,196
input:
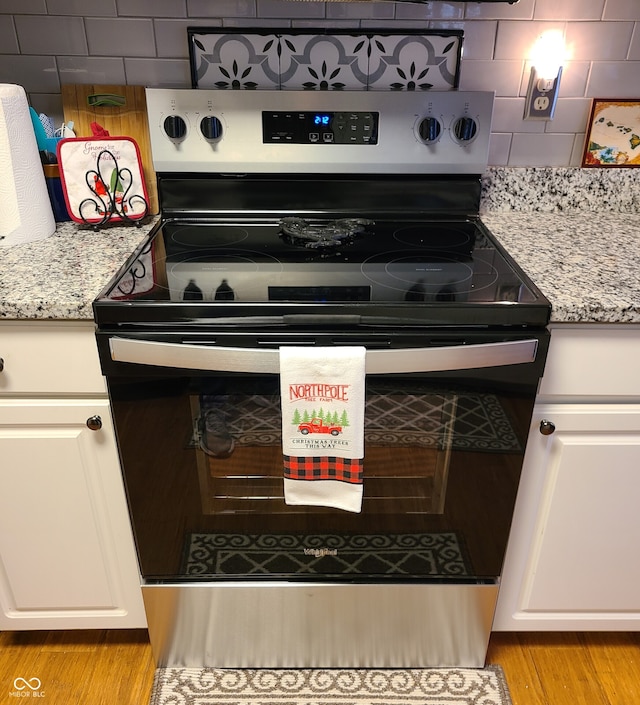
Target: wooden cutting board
x,y
128,118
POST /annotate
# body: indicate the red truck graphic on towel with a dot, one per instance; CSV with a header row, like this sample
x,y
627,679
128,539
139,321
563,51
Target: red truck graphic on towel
x,y
317,425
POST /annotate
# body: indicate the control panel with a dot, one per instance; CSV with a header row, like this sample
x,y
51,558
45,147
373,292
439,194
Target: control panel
x,y
354,132
324,127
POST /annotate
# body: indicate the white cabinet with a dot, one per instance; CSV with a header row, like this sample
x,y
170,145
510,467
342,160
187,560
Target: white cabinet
x,y
572,561
67,558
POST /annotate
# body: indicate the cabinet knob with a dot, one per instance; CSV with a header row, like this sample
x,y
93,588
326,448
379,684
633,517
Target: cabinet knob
x,y
94,423
547,427
1,364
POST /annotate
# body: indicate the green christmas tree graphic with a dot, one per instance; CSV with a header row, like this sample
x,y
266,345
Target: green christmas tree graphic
x,y
327,417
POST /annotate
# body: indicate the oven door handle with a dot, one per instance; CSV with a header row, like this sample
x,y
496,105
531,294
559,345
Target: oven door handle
x,y
229,359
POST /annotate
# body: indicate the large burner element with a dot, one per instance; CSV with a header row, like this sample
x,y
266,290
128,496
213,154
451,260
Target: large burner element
x,y
325,234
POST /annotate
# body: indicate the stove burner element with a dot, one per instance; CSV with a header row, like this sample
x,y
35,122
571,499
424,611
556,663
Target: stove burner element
x,y
326,234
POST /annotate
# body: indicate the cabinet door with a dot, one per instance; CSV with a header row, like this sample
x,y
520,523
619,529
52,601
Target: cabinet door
x,y
66,551
572,561
56,358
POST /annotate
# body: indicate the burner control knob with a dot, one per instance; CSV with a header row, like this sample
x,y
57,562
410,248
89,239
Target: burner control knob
x,y
465,129
211,128
175,127
429,129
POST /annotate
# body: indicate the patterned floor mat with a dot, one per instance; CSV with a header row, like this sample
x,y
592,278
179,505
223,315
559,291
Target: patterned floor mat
x,y
300,686
430,554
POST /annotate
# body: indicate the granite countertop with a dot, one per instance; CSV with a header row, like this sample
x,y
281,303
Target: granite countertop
x,y
585,263
59,277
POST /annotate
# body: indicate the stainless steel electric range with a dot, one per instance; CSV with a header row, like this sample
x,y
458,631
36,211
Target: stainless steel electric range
x,y
320,219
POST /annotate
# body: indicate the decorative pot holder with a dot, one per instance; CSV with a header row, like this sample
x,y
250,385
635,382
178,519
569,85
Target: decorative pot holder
x,y
102,180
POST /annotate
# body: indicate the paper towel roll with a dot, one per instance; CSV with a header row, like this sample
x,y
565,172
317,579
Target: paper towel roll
x,y
25,209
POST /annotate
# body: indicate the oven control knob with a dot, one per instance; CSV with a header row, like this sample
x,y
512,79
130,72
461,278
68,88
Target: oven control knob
x,y
94,423
175,127
465,129
547,427
429,129
211,128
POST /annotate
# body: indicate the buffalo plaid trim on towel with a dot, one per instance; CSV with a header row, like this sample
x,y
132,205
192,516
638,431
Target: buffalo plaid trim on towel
x,y
323,468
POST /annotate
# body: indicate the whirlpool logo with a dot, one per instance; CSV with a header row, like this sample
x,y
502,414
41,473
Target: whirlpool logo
x,y
320,552
27,688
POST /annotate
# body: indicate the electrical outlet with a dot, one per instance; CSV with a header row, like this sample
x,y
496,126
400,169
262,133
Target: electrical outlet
x,y
541,103
542,95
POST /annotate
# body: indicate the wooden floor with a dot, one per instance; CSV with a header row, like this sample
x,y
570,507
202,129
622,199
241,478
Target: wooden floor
x,y
107,667
569,669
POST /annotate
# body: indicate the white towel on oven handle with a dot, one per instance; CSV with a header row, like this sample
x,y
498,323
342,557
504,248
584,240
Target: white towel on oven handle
x,y
327,380
322,398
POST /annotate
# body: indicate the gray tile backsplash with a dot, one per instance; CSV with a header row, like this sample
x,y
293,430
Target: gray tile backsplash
x,y
152,8
84,8
49,34
8,37
569,9
135,36
89,69
44,43
36,7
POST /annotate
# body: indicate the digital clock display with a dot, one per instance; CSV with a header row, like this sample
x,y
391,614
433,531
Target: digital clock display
x,y
322,119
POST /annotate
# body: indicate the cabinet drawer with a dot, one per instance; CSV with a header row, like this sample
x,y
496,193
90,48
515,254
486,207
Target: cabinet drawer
x,y
49,358
593,361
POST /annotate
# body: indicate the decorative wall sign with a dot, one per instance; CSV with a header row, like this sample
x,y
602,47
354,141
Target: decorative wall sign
x,y
613,134
312,60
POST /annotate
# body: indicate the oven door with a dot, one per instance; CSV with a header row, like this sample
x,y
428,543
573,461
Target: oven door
x,y
198,426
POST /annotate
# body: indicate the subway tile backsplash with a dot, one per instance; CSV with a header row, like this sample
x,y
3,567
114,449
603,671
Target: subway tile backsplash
x,y
44,43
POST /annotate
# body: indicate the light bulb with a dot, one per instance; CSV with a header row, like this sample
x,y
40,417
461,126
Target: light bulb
x,y
547,55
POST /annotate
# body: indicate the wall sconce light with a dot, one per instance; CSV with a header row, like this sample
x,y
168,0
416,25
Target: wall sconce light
x,y
544,83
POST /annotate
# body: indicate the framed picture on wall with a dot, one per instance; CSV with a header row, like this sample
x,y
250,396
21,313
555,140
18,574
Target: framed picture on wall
x,y
613,133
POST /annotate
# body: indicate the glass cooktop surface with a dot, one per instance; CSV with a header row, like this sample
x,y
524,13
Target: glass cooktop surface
x,y
330,260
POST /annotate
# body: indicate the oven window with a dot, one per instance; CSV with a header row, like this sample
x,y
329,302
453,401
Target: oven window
x,y
408,438
203,467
